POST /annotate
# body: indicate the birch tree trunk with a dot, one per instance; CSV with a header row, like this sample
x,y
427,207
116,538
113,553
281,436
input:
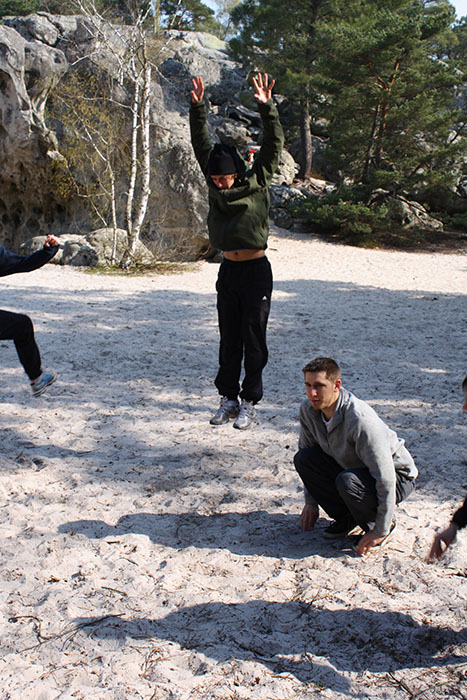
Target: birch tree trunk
x,y
145,116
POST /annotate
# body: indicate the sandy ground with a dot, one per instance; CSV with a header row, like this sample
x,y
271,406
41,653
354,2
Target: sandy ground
x,y
147,554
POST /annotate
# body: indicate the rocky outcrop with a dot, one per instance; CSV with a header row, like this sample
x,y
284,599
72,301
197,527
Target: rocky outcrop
x,y
406,213
95,248
29,69
35,52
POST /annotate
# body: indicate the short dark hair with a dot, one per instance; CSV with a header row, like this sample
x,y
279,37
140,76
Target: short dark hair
x,y
324,364
464,384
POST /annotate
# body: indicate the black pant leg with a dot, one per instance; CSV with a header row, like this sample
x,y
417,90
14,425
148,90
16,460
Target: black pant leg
x,y
19,328
358,490
231,343
256,303
319,472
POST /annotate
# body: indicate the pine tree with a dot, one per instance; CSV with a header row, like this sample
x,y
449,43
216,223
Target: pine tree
x,y
282,41
191,15
388,98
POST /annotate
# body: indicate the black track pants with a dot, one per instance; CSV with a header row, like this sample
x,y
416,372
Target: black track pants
x,y
243,301
19,328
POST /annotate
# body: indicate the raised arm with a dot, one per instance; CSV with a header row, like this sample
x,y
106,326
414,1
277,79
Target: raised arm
x,y
198,124
267,159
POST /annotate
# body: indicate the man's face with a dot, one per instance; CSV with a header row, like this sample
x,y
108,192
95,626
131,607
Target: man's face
x,y
322,392
464,407
224,182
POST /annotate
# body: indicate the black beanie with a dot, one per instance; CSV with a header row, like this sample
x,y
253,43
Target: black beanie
x,y
221,160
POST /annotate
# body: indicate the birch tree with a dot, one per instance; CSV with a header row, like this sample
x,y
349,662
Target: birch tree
x,y
124,52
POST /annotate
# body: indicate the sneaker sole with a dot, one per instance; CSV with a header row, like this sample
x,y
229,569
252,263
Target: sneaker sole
x,y
243,427
340,535
222,421
44,388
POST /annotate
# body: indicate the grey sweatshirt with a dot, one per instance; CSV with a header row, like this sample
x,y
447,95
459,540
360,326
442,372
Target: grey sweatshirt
x,y
357,437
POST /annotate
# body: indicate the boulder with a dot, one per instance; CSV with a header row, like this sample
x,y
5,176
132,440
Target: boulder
x,y
407,213
89,250
78,254
286,171
69,246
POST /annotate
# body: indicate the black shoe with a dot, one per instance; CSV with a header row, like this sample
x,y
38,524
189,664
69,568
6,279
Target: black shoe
x,y
382,543
339,528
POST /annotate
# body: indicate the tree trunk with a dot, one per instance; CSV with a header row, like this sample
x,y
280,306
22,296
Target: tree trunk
x,y
145,116
306,142
135,126
113,257
371,142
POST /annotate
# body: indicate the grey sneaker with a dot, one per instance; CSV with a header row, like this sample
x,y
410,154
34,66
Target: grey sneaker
x,y
40,385
245,416
228,409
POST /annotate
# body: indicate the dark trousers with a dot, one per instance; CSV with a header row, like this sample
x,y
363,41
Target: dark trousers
x,y
19,328
344,493
243,301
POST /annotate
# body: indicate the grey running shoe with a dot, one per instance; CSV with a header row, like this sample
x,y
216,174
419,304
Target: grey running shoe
x,y
228,409
339,528
40,385
245,415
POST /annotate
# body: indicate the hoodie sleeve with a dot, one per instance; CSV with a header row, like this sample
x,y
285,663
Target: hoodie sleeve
x,y
373,448
200,135
10,263
306,439
267,160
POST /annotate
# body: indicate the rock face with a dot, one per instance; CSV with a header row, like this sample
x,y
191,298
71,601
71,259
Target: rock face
x,y
29,69
35,52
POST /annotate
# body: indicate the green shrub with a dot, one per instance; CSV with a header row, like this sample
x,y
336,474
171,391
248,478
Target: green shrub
x,y
351,221
457,222
17,8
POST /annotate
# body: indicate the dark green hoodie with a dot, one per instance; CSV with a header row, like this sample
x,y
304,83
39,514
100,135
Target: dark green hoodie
x,y
239,218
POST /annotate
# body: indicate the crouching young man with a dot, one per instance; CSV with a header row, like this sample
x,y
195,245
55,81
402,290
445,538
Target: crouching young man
x,y
351,463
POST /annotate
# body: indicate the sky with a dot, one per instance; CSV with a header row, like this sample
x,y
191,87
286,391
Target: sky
x,y
460,5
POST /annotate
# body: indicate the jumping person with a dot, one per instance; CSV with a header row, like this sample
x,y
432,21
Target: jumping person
x,y
351,463
459,519
238,225
18,327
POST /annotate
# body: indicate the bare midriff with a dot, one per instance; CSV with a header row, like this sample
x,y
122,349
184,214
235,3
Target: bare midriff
x,y
244,254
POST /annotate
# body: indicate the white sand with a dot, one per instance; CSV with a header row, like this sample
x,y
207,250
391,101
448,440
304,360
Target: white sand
x,y
147,554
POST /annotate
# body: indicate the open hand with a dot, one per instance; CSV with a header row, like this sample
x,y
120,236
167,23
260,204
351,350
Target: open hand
x,y
198,90
263,88
367,541
446,538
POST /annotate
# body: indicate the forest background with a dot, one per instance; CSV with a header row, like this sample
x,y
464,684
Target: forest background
x,y
379,86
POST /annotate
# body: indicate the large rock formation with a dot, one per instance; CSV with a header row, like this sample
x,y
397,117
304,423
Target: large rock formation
x,y
35,52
